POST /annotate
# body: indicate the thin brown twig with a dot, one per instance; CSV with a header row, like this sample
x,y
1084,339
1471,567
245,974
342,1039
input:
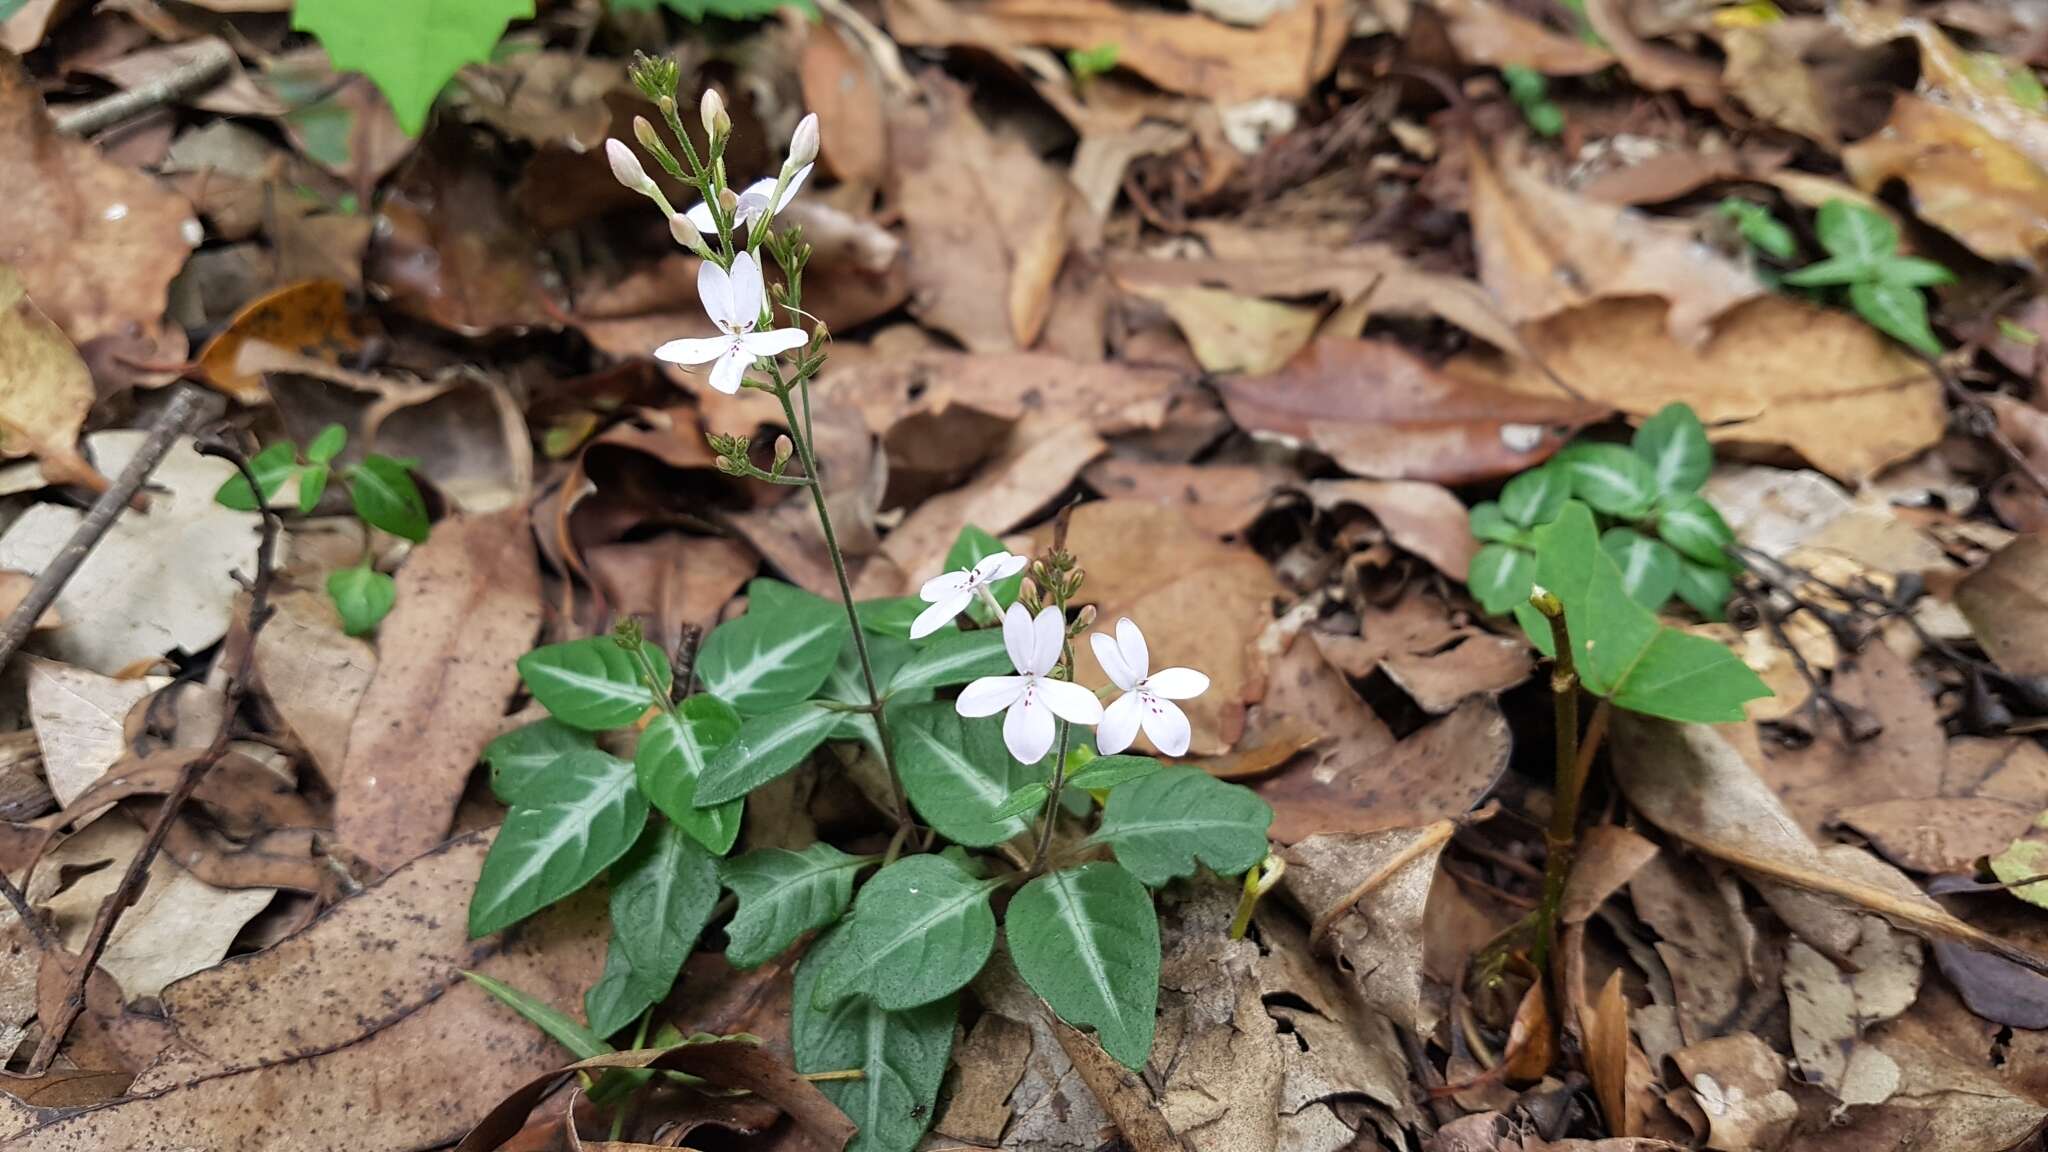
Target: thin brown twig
x,y
132,881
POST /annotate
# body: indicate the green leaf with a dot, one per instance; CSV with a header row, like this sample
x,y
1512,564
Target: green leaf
x,y
671,759
312,486
1898,312
1765,232
1489,523
1162,824
1829,272
1649,568
592,683
784,894
1087,941
385,497
327,445
921,929
1106,772
1024,801
575,820
521,756
363,596
409,48
846,684
271,467
891,617
957,772
970,546
954,659
764,748
1692,526
617,999
1913,272
1850,231
775,655
662,895
1087,63
1705,588
1610,477
1536,496
1500,577
580,1041
903,1054
1674,444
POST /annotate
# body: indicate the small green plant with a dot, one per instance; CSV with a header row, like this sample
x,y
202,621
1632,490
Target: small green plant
x,y
1760,227
381,489
1664,536
1883,287
1088,63
1530,91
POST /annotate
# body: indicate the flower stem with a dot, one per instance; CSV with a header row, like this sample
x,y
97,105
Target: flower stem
x,y
860,643
1052,801
1574,764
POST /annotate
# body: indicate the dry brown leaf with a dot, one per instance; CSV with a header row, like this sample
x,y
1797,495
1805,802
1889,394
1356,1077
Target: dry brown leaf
x,y
1543,251
1436,660
1701,942
853,143
1740,1084
1607,1049
1789,73
234,94
1964,180
467,431
2006,602
671,580
450,249
1904,761
1654,66
1674,173
1379,411
907,399
315,676
305,319
1233,333
1489,33
1368,892
1608,857
1830,1007
45,389
1425,519
80,718
1221,498
468,608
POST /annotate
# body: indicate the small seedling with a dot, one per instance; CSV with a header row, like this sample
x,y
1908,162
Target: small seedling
x,y
1531,93
1883,287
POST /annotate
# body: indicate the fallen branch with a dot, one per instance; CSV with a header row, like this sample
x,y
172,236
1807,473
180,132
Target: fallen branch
x,y
196,74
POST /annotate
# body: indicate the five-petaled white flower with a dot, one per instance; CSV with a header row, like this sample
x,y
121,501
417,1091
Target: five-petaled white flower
x,y
949,593
734,301
1032,696
1148,697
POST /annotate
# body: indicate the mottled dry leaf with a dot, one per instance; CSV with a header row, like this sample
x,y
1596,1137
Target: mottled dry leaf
x,y
305,319
1904,761
1370,891
451,251
1425,519
1964,180
2006,602
45,389
80,718
315,676
1831,1006
468,608
1434,659
1740,1084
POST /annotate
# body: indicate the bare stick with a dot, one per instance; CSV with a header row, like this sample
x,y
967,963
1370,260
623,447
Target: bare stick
x,y
170,424
208,65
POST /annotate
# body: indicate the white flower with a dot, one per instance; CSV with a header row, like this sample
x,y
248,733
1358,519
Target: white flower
x,y
803,144
1148,697
734,302
626,167
949,593
711,110
1032,696
753,203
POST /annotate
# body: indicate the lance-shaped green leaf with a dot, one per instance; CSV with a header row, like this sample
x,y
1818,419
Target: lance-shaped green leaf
x,y
662,895
957,772
673,755
1106,772
921,929
968,549
519,757
1609,477
775,655
271,467
764,748
889,617
784,894
902,1055
592,683
1023,802
954,658
1898,311
581,1042
1692,526
1649,568
581,815
386,497
1500,576
1087,941
1536,496
1161,824
1706,589
1674,444
617,999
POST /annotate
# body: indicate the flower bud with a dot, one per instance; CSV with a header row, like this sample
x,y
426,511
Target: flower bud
x,y
712,111
667,104
626,167
1082,620
685,231
783,450
1027,593
643,131
731,200
803,147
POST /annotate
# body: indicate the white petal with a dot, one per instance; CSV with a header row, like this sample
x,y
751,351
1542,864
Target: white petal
x,y
731,369
1119,724
1166,724
990,695
939,614
1028,729
775,341
946,585
1131,643
1112,661
985,568
1017,637
1048,639
1011,565
1070,701
1177,683
701,217
694,351
714,290
748,296
750,207
789,190
759,190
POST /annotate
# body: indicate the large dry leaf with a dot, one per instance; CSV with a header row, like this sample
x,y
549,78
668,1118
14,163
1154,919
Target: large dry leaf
x,y
1777,371
80,718
159,581
1233,333
1965,180
1490,33
1904,761
468,608
315,676
1366,894
1425,519
1437,660
2006,602
45,389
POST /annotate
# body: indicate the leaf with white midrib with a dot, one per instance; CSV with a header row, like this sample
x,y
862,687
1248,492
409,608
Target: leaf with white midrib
x,y
1087,941
773,656
764,748
957,772
784,894
574,822
1161,825
954,659
921,929
903,1054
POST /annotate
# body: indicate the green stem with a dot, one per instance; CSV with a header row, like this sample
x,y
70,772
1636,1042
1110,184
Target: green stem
x,y
1052,801
1561,839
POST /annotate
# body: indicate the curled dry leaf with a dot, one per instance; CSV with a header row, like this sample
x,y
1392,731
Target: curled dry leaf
x,y
2006,602
1425,519
304,319
1492,34
1964,179
315,676
45,389
1365,895
1436,660
1654,66
1740,1084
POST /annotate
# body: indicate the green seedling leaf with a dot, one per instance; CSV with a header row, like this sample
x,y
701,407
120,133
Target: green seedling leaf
x,y
1023,802
363,597
580,1041
1489,523
617,999
784,894
673,756
903,1054
1536,496
312,486
271,467
1674,444
662,895
954,659
385,497
1088,63
409,48
327,445
921,929
1692,526
1764,231
969,547
1087,941
1897,311
1161,824
576,819
1831,272
1500,577
1705,588
957,772
1609,477
1649,568
777,654
1852,232
1106,772
764,748
592,683
1913,272
521,756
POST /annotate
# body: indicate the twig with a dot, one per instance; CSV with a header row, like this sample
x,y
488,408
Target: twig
x,y
170,424
133,880
200,72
